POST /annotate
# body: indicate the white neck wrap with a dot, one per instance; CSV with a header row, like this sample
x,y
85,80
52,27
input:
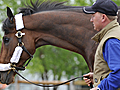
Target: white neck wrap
x,y
18,50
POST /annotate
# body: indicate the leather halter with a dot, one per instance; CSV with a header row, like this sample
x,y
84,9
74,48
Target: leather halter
x,y
21,44
19,35
19,26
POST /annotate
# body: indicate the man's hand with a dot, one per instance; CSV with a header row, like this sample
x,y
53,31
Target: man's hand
x,y
88,81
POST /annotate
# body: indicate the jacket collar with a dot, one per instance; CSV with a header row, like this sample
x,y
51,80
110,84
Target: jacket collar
x,y
97,37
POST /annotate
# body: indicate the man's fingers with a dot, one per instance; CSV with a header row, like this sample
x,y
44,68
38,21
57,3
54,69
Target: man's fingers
x,y
87,81
85,75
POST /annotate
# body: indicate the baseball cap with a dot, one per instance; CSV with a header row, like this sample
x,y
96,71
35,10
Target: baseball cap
x,y
107,7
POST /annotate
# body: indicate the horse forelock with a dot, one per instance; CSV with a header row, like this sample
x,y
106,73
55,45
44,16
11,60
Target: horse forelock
x,y
7,26
39,6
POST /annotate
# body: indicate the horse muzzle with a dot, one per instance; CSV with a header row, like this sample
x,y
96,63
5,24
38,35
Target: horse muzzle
x,y
6,77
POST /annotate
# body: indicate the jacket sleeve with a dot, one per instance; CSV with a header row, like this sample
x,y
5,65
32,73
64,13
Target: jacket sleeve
x,y
111,54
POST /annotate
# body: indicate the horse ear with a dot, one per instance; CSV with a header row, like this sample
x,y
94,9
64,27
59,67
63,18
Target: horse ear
x,y
10,14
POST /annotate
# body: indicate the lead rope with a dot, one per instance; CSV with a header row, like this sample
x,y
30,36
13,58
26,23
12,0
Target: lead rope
x,y
47,85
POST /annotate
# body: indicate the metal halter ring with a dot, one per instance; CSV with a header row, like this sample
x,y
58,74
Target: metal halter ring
x,y
22,44
12,66
19,34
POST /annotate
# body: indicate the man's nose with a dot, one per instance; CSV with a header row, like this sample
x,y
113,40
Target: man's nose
x,y
91,20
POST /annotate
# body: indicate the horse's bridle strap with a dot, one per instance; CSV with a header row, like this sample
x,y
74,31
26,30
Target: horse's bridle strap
x,y
19,35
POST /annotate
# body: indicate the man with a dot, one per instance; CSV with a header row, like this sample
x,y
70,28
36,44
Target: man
x,y
106,75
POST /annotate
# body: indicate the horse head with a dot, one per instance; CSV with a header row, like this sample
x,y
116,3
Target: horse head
x,y
11,40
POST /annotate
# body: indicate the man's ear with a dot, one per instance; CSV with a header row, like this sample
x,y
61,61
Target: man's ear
x,y
10,14
104,17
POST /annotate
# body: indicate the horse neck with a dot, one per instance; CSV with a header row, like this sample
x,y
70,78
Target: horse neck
x,y
68,30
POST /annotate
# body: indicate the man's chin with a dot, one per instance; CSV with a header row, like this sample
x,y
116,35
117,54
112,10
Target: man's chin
x,y
96,29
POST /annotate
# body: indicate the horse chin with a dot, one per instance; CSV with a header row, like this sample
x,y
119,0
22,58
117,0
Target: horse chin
x,y
6,77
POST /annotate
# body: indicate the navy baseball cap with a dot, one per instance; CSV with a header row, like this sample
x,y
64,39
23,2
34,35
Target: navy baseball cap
x,y
107,7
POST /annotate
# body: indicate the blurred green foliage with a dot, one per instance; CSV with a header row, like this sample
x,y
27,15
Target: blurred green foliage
x,y
58,60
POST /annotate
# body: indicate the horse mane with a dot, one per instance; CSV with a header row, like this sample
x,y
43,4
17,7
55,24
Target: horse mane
x,y
36,7
40,6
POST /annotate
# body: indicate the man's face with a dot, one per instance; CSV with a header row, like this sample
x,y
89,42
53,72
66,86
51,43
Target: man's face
x,y
96,19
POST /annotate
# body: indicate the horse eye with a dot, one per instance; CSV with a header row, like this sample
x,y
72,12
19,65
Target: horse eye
x,y
5,39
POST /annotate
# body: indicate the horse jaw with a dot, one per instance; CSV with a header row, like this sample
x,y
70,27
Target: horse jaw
x,y
6,77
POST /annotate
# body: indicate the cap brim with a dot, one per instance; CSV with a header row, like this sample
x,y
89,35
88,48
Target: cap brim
x,y
88,10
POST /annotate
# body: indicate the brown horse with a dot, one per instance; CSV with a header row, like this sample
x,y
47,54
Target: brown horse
x,y
47,24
